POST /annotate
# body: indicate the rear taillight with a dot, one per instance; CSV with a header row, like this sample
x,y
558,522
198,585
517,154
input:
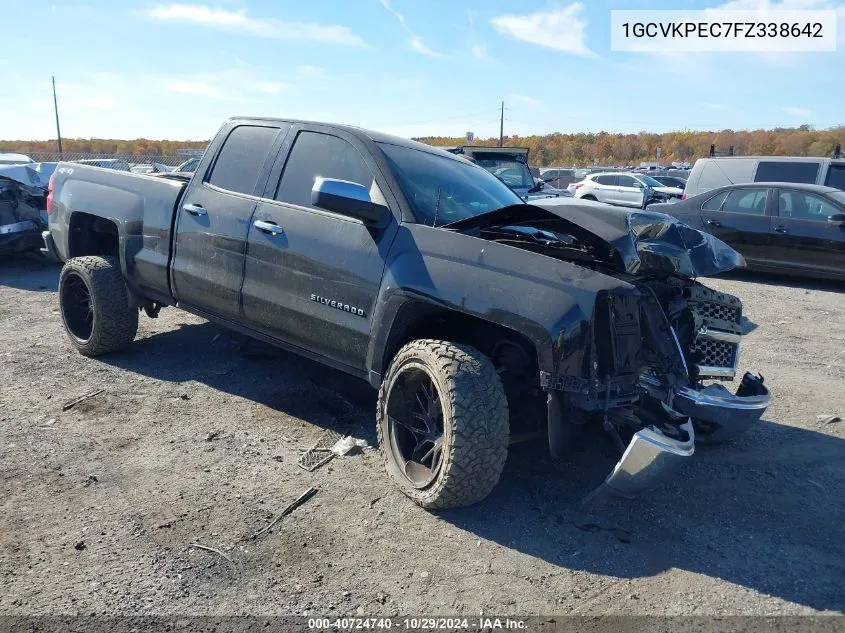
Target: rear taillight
x,y
578,185
50,193
684,197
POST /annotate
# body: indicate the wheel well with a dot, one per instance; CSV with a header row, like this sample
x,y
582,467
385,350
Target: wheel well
x,y
513,354
588,196
92,235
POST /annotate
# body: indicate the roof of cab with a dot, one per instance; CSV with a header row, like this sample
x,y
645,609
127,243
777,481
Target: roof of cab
x,y
361,133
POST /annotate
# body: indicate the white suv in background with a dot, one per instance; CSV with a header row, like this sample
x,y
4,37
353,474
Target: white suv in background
x,y
619,188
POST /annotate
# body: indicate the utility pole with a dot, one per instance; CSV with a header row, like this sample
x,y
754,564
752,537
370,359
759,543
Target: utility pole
x,y
56,108
502,125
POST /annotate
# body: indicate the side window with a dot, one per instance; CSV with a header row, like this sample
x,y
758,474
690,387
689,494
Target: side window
x,y
787,171
836,176
749,201
714,203
803,206
314,155
605,180
625,181
240,160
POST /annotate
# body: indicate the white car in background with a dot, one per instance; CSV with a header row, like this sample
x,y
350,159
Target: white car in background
x,y
622,189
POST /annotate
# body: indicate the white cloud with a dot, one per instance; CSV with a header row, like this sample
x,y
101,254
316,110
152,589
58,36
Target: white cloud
x,y
561,29
417,46
102,102
240,22
414,41
801,113
270,87
522,100
197,89
715,106
479,51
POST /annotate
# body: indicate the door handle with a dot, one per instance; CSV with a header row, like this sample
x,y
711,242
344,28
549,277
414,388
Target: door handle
x,y
781,229
268,227
195,209
715,223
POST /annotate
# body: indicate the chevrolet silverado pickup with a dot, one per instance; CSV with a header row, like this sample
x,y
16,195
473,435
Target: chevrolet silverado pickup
x,y
475,315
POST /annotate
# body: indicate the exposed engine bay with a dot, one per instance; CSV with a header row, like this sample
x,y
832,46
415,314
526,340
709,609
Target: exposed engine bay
x,y
657,349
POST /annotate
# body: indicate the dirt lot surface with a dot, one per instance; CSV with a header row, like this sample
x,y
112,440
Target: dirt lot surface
x,y
195,438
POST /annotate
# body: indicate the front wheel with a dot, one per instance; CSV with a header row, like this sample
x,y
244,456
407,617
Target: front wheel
x,y
94,302
442,420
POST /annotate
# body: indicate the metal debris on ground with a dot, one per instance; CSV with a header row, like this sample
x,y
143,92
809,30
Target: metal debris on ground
x,y
321,453
72,403
212,549
829,419
293,505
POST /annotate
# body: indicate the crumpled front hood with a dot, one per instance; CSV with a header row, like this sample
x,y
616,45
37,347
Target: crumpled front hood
x,y
652,242
639,242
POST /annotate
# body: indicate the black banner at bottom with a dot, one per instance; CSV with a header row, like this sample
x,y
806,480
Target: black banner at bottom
x,y
375,624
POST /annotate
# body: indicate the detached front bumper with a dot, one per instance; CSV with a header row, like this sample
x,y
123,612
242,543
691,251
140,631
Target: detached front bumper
x,y
718,414
713,414
649,460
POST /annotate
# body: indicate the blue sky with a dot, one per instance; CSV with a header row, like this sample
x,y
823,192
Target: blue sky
x,y
161,69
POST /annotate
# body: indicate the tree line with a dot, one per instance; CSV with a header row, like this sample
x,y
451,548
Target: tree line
x,y
140,146
627,149
548,149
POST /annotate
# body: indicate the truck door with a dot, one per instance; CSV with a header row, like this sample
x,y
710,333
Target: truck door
x,y
312,276
213,220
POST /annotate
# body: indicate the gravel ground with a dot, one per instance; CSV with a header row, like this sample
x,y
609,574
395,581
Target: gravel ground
x,y
197,431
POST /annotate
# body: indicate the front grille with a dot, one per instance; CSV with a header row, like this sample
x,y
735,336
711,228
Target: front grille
x,y
718,318
715,353
716,311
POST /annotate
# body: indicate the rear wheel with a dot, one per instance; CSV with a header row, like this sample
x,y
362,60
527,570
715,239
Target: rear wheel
x,y
589,197
95,306
443,423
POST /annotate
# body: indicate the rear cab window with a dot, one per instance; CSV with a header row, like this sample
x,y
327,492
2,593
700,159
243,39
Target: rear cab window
x,y
787,171
241,159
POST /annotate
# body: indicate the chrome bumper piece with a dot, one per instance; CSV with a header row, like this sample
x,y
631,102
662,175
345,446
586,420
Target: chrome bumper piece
x,y
649,460
718,414
713,414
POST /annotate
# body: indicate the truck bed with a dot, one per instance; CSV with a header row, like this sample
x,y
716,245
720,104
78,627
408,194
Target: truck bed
x,y
140,206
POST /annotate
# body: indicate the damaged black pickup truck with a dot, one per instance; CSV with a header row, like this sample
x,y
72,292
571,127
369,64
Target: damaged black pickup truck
x,y
475,315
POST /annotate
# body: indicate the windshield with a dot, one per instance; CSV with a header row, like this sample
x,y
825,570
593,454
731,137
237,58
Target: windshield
x,y
651,182
511,172
443,190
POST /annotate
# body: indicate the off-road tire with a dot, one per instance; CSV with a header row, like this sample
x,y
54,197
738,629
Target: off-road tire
x,y
475,423
115,319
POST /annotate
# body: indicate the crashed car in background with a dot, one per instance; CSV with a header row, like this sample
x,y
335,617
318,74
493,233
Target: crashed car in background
x,y
14,159
23,203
